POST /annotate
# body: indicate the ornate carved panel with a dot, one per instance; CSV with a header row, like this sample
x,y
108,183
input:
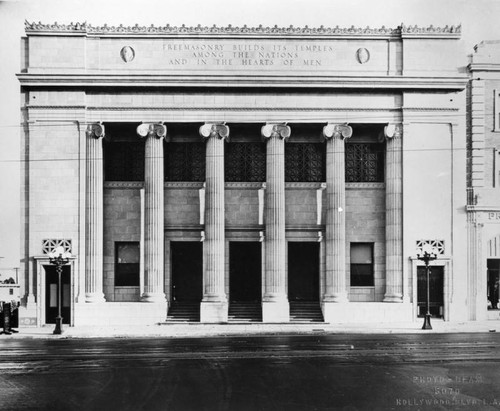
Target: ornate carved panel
x,y
49,245
364,162
438,244
305,162
185,162
245,162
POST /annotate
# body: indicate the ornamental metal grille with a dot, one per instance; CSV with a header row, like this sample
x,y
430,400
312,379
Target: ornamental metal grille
x,y
364,162
305,162
124,161
439,244
245,162
185,162
49,245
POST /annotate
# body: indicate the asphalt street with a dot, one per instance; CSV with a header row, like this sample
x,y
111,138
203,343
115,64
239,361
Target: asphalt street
x,y
313,372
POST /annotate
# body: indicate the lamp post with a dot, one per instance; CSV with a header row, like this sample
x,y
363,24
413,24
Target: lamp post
x,y
427,253
59,257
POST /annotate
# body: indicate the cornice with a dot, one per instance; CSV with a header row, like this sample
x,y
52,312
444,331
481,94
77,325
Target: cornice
x,y
227,81
121,30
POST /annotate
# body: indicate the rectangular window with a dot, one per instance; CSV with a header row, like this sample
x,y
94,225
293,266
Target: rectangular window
x,y
305,162
124,161
245,162
364,162
127,264
362,265
185,161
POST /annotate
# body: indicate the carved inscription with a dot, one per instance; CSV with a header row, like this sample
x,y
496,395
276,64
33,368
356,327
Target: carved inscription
x,y
243,54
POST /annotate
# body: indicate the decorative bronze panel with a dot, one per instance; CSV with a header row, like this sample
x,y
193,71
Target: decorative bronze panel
x,y
124,161
305,162
364,162
185,162
245,162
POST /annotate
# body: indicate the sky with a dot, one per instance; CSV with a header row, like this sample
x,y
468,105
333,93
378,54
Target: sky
x,y
479,19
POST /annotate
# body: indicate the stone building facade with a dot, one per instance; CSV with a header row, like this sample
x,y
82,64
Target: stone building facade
x,y
243,174
483,202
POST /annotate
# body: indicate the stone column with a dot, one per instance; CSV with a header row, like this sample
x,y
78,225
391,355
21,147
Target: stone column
x,y
393,215
275,306
214,306
94,215
154,212
335,243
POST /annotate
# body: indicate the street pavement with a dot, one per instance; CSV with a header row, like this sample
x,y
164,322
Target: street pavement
x,y
413,371
175,330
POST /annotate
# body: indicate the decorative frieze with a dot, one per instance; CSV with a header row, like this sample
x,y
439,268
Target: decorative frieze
x,y
242,31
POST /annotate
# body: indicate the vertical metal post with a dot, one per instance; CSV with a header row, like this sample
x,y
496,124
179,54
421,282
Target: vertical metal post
x,y
58,329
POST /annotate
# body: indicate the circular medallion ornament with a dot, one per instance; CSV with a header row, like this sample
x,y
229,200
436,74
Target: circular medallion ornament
x,y
127,54
363,55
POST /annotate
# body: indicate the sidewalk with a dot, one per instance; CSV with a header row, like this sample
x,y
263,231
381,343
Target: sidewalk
x,y
183,330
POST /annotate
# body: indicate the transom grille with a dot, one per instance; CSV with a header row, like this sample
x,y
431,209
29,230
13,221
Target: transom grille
x,y
124,161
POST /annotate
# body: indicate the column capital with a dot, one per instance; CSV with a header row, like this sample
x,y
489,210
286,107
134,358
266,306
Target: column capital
x,y
95,130
280,130
157,130
219,130
341,131
393,130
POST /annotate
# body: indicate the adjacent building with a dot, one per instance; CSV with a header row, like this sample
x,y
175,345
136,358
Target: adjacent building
x,y
222,174
483,202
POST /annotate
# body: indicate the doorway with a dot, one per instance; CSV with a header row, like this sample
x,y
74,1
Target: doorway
x,y
245,271
436,291
493,266
187,271
51,294
303,271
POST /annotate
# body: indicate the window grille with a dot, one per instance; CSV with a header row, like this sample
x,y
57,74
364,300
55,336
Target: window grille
x,y
49,245
124,161
305,162
364,162
185,162
245,162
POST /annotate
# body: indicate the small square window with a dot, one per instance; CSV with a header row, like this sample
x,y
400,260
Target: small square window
x,y
127,264
362,265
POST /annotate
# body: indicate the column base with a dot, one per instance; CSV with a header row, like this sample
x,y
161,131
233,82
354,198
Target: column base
x,y
94,298
276,311
393,298
153,298
214,311
336,298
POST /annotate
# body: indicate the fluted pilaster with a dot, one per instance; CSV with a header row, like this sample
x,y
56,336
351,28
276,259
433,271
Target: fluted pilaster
x,y
154,212
94,215
394,215
274,213
335,244
213,246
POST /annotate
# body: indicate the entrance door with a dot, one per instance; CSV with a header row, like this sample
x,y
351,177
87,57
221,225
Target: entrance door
x,y
187,270
303,271
493,283
51,280
436,291
245,271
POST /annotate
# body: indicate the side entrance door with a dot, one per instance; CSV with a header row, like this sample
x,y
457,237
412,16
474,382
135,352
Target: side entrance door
x,y
303,271
187,271
51,290
436,291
